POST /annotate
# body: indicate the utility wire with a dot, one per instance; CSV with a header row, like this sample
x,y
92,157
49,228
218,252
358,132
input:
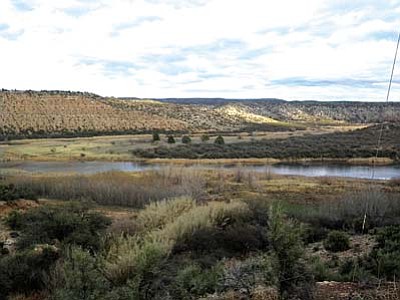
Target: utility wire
x,y
379,143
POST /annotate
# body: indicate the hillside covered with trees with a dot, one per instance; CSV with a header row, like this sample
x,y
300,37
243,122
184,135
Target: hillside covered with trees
x,y
30,114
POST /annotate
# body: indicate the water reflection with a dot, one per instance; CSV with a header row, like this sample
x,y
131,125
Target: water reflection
x,y
316,170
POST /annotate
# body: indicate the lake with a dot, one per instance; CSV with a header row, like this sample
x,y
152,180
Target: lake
x,y
312,170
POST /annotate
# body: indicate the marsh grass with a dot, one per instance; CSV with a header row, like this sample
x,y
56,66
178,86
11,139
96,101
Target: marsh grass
x,y
357,211
116,188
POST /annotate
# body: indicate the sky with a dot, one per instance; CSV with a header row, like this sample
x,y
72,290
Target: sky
x,y
288,49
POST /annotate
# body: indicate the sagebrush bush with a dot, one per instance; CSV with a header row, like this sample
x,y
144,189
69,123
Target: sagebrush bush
x,y
247,274
157,214
337,241
125,255
134,261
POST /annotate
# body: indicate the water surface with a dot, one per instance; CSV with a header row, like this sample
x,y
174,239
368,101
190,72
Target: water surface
x,y
312,170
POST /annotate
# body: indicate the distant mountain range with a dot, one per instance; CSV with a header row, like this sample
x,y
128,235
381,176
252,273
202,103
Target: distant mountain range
x,y
62,113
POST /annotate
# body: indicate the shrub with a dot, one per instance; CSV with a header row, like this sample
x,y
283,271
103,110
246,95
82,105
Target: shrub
x,y
14,220
133,257
25,271
232,239
385,257
337,241
156,137
78,277
72,223
171,140
245,275
156,215
295,281
134,261
219,140
186,139
205,138
192,282
321,270
11,192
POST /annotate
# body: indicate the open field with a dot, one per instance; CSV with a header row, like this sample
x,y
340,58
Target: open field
x,y
121,147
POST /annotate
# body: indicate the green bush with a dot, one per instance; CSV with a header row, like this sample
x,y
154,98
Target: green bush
x,y
73,223
385,257
156,137
295,280
14,220
78,277
26,271
171,140
186,139
205,138
233,239
193,282
9,192
337,241
219,140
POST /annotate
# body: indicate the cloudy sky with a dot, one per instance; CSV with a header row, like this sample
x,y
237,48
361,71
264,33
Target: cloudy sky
x,y
290,49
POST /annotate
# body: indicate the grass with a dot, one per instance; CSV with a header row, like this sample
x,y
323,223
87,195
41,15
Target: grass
x,y
115,188
119,147
212,220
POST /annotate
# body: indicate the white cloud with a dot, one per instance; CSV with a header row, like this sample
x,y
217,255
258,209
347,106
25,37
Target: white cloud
x,y
208,48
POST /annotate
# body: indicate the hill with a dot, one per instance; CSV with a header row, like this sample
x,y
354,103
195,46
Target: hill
x,y
60,113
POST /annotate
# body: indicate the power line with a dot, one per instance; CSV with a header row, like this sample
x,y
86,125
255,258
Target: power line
x,y
378,145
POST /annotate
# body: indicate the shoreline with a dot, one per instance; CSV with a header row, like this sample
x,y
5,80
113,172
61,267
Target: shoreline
x,y
369,161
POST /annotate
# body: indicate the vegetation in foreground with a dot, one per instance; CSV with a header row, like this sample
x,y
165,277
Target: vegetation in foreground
x,y
248,236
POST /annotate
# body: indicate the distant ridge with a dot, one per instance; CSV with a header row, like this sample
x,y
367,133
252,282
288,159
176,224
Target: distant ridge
x,y
30,114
